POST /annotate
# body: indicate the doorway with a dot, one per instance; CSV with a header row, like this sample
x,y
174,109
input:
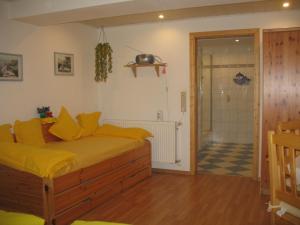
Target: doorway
x,y
225,102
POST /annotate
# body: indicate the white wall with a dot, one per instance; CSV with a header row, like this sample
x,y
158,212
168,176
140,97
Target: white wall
x,y
126,97
18,100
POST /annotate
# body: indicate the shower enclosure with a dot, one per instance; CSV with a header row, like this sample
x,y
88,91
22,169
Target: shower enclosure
x,y
225,70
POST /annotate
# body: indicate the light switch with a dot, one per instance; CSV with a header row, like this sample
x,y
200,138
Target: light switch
x,y
160,115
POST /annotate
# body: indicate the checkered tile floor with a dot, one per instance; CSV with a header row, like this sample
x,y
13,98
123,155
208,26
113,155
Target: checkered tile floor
x,y
226,159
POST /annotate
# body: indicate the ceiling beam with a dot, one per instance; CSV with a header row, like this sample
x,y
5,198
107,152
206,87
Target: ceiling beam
x,y
51,12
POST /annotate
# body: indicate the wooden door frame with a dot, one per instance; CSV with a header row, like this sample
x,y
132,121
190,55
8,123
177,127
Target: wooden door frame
x,y
194,97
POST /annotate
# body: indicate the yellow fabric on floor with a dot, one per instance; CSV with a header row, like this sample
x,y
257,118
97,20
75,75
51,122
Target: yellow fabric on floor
x,y
92,150
35,160
11,218
80,222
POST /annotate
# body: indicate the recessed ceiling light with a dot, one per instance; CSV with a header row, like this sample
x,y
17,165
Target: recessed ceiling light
x,y
237,40
161,16
285,4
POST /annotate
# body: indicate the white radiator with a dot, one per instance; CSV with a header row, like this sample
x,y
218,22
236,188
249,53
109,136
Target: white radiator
x,y
163,141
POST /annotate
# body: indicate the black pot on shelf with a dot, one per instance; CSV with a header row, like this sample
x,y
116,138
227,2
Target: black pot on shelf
x,y
145,59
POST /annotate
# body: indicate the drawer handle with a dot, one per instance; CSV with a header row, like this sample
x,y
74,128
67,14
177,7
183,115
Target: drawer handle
x,y
87,200
133,175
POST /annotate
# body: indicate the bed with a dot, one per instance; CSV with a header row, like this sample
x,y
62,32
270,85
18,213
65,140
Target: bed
x,y
284,168
96,178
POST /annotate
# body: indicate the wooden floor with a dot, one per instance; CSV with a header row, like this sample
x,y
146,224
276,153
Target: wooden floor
x,y
188,200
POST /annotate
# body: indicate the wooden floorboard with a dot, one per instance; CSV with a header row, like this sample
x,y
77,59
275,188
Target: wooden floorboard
x,y
192,200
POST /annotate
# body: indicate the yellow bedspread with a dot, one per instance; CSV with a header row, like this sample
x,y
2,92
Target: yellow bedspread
x,y
35,160
92,150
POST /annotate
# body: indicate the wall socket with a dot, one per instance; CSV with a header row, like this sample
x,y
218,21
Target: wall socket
x,y
160,115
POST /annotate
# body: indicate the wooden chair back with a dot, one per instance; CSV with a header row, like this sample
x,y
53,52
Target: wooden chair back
x,y
283,150
289,127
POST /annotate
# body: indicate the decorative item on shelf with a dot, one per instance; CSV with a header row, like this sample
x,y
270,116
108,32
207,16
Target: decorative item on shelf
x,y
103,59
147,60
241,79
45,112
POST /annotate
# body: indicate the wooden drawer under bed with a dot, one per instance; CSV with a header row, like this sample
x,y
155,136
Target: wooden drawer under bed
x,y
82,191
63,199
92,186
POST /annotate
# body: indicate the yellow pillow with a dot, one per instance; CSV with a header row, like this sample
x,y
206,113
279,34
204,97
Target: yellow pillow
x,y
12,218
133,133
65,128
29,132
5,134
88,123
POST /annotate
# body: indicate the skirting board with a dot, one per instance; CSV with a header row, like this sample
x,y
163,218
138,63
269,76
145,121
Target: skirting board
x,y
179,172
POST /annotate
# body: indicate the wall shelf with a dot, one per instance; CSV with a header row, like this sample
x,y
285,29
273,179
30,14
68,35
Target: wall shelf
x,y
156,67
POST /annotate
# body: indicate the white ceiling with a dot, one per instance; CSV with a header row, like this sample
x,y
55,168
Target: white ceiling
x,y
118,12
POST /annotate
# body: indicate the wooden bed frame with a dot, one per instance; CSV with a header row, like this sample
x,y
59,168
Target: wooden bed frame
x,y
284,147
63,199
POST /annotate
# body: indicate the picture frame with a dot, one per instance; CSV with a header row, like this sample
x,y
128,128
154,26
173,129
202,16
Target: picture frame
x,y
11,67
63,64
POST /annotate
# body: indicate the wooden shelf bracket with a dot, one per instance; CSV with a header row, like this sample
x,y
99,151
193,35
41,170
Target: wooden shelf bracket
x,y
156,67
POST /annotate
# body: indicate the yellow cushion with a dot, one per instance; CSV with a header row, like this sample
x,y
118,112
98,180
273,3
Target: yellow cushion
x,y
65,128
29,132
11,218
133,133
5,134
88,123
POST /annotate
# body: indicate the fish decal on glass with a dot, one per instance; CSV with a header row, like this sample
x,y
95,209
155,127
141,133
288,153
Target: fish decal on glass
x,y
241,79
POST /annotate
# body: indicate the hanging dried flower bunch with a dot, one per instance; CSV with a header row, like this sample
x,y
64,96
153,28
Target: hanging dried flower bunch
x,y
103,59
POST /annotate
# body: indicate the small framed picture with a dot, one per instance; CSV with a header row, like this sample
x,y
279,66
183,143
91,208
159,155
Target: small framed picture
x,y
11,67
63,64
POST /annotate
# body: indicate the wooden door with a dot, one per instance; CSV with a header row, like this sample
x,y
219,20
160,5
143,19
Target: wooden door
x,y
281,84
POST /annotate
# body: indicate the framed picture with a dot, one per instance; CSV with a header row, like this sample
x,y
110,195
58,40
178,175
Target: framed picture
x,y
11,67
63,64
